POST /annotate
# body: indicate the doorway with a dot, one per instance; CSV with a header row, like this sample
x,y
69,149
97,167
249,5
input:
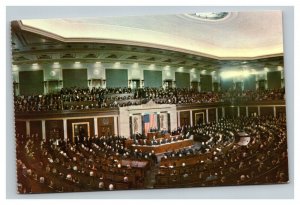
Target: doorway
x,y
200,118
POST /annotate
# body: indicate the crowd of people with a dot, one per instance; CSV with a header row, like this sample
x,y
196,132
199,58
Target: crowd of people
x,y
254,96
88,165
98,162
219,160
97,98
159,141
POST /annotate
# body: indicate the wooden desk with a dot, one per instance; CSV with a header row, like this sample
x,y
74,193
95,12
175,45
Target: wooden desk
x,y
150,135
164,147
157,135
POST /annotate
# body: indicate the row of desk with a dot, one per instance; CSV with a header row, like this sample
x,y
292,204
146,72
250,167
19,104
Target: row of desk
x,y
163,148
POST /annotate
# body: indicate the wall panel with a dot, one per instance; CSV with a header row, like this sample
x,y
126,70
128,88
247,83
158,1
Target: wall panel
x,y
206,83
152,79
54,129
266,111
20,127
75,78
31,82
184,118
105,126
36,128
274,80
182,80
199,116
250,83
252,111
230,112
90,121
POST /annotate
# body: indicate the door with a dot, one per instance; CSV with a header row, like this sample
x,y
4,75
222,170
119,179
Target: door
x,y
135,84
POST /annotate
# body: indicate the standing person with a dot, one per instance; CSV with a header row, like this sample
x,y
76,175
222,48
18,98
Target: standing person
x,y
81,134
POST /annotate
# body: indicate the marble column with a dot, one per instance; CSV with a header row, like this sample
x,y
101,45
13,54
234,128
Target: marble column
x,y
274,110
247,112
43,129
178,118
169,123
115,125
143,127
258,110
65,130
238,111
223,112
158,121
95,126
191,118
130,125
206,115
28,127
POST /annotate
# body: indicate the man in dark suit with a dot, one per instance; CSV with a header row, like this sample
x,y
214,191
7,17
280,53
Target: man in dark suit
x,y
76,140
81,134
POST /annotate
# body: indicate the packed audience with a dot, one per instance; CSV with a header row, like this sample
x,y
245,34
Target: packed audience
x,y
96,163
254,96
108,163
219,160
98,98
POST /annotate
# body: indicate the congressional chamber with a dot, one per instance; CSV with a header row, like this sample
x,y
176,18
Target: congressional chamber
x,y
93,114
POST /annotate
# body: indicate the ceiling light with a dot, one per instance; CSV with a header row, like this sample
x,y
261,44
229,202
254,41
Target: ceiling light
x,y
152,66
35,66
117,65
245,73
97,64
228,74
210,16
135,65
167,67
56,65
233,74
15,67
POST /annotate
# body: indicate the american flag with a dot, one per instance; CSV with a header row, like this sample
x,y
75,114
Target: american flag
x,y
150,121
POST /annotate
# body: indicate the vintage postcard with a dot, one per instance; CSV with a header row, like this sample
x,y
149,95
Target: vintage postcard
x,y
147,102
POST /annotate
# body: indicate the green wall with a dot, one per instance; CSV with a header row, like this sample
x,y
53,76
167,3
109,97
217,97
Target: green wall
x,y
216,86
116,78
250,83
274,80
31,82
206,83
75,78
226,84
182,80
152,79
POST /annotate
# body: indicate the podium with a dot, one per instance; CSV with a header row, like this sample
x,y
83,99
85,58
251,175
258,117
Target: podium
x,y
151,135
157,135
